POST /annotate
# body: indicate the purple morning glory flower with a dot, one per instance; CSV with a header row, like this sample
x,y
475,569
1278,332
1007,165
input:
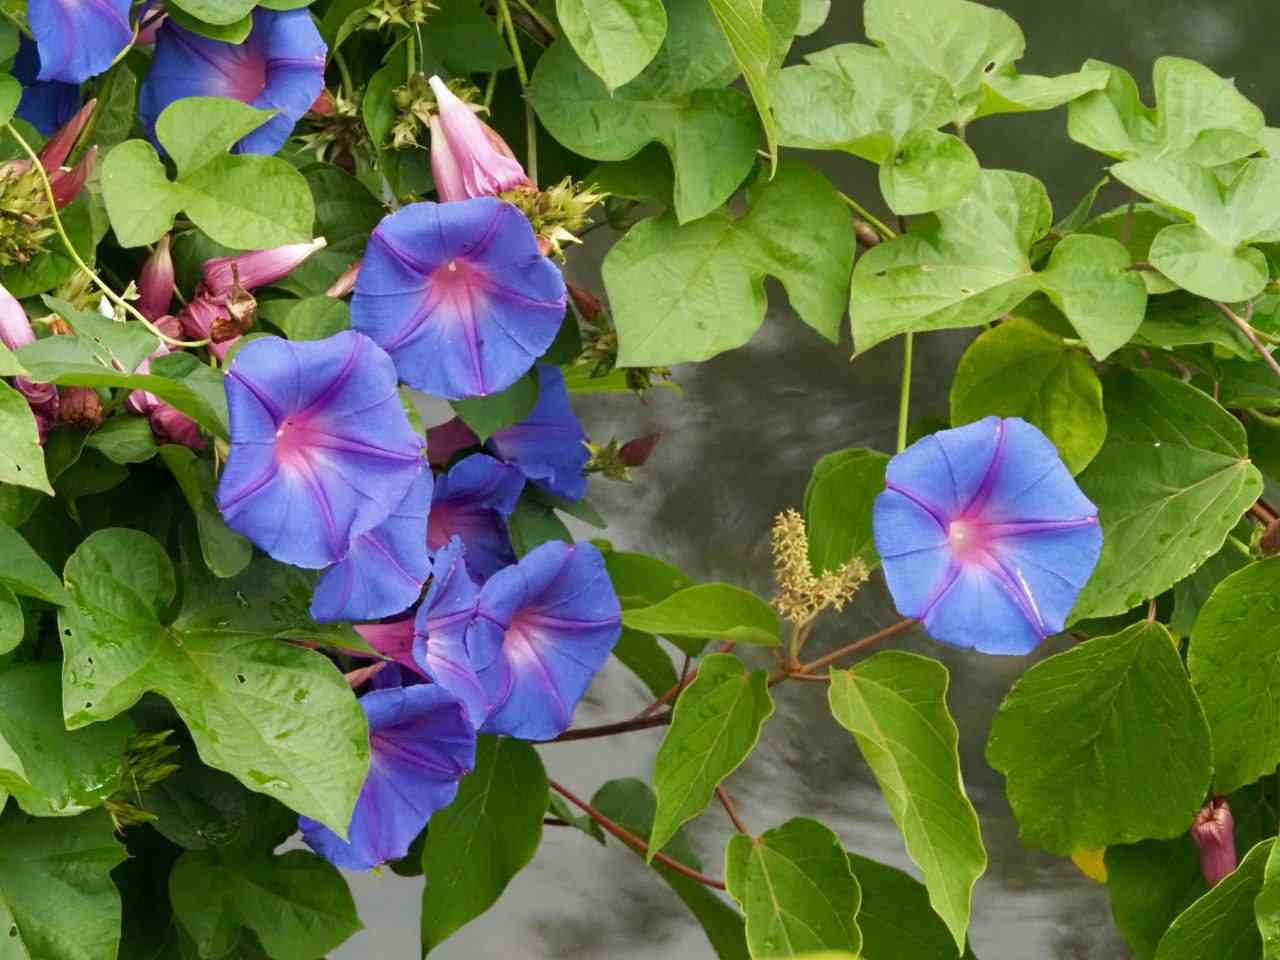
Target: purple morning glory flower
x,y
548,446
383,572
459,295
46,105
440,647
543,628
421,745
279,66
984,536
473,501
321,449
78,39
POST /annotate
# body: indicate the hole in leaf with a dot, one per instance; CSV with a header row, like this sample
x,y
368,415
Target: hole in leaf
x,y
89,661
13,929
989,67
241,678
88,704
967,291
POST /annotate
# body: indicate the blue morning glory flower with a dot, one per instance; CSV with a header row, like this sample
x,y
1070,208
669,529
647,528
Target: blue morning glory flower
x,y
321,449
45,104
78,39
383,572
421,745
548,446
543,628
440,648
473,501
459,295
279,66
985,537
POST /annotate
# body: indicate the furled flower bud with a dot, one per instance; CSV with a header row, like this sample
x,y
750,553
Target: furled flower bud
x,y
322,105
447,439
587,303
1213,830
55,152
15,328
257,269
155,282
80,408
1270,541
171,425
468,158
67,184
636,453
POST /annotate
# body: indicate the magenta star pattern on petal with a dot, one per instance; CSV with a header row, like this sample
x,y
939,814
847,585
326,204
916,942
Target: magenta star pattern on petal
x,y
321,448
985,537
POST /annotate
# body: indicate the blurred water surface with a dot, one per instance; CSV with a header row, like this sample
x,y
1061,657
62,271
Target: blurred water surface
x,y
738,448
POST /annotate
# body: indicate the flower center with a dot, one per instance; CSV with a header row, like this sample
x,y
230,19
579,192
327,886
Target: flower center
x,y
966,538
291,441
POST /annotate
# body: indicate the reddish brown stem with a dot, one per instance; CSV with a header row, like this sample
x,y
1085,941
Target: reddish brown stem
x,y
833,656
609,729
634,842
1245,328
726,801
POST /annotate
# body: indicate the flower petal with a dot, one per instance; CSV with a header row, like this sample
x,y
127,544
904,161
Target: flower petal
x,y
78,39
549,445
473,501
554,618
393,639
385,569
440,647
280,65
321,449
421,746
979,610
459,295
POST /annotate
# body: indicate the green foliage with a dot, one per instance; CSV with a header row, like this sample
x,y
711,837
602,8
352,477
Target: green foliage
x,y
21,460
717,723
1018,369
709,611
213,187
796,229
1170,482
57,901
975,267
277,717
896,918
1150,883
837,507
1222,922
895,706
484,838
615,38
1234,659
1084,717
796,888
497,411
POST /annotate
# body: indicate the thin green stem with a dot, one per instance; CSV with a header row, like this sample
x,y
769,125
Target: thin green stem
x,y
904,398
75,254
348,87
530,123
1242,324
877,224
489,89
410,57
1268,419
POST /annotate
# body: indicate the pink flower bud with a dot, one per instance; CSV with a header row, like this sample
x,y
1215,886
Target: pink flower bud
x,y
345,283
43,400
445,440
1213,830
15,328
468,158
68,183
362,675
155,282
171,425
54,153
257,269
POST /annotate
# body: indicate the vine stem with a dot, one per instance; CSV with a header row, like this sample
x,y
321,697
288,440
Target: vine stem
x,y
1250,334
634,842
879,225
75,254
904,398
726,801
538,18
807,668
530,124
348,87
609,729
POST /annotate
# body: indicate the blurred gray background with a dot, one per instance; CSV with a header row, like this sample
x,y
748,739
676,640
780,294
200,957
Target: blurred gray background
x,y
738,449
